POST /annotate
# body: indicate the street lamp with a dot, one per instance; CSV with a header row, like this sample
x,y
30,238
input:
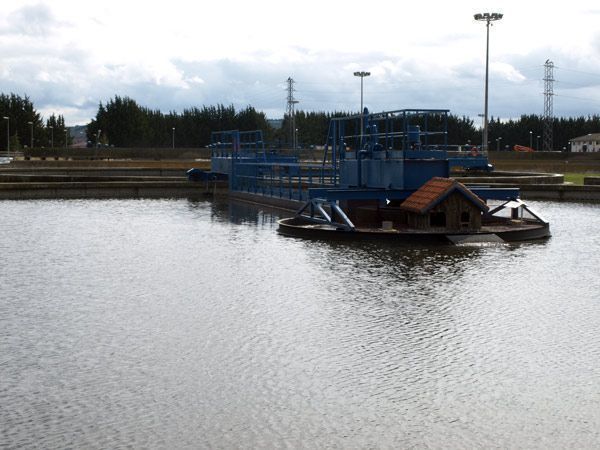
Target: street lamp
x,y
51,137
31,140
7,135
498,144
530,139
537,143
66,133
487,18
362,75
173,138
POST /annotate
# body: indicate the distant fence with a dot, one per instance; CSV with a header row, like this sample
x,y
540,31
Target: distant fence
x,y
145,153
544,156
117,153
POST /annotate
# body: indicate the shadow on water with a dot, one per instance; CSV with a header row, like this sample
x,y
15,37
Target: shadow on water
x,y
236,212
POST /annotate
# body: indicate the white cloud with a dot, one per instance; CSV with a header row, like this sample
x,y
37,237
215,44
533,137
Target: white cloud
x,y
71,55
507,72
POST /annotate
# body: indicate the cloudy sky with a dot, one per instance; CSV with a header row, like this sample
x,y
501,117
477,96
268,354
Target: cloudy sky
x,y
68,56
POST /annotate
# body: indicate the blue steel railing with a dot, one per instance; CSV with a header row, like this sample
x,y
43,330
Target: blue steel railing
x,y
288,181
232,143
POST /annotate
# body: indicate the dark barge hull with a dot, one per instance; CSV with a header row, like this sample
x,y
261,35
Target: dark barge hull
x,y
301,227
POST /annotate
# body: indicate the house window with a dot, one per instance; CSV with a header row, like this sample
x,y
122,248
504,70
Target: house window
x,y
437,219
465,218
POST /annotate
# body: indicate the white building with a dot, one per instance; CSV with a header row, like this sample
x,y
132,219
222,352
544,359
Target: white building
x,y
587,143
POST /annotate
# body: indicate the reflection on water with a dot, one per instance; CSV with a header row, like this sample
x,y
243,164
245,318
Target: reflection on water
x,y
186,324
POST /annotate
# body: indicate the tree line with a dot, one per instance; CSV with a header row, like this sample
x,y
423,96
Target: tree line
x,y
121,122
527,130
21,124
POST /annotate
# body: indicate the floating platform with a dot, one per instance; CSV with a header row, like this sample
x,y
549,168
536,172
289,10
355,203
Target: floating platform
x,y
517,231
428,215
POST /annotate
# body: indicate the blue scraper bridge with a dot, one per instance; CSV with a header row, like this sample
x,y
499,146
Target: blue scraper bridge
x,y
393,155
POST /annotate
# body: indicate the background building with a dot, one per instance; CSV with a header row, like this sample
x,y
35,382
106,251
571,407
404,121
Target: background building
x,y
587,143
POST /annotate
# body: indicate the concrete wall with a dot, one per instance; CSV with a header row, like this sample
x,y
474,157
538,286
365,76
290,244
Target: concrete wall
x,y
117,153
113,189
552,162
561,192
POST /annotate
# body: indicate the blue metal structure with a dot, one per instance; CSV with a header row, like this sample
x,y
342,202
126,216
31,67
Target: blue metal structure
x,y
371,165
386,159
398,149
239,146
242,157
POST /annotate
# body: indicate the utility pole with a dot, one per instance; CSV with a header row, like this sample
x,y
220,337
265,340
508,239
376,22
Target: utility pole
x,y
291,101
548,104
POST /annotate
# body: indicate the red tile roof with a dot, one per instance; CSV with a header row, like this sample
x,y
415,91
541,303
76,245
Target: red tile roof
x,y
436,190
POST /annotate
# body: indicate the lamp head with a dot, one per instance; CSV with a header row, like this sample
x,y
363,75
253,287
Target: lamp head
x,y
488,17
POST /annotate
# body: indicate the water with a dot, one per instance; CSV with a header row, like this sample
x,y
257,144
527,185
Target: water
x,y
191,324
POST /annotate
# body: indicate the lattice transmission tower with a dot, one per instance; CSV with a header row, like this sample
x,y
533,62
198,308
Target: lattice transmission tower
x,y
291,102
548,105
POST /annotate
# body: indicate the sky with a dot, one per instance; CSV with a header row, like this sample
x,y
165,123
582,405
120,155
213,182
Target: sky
x,y
69,56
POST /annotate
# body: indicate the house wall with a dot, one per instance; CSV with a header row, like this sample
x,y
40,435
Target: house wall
x,y
452,207
588,146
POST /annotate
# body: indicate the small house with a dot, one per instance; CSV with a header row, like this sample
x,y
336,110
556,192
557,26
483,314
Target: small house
x,y
587,143
444,204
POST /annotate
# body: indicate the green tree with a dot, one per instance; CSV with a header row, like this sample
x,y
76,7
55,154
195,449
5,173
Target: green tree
x,y
54,132
20,112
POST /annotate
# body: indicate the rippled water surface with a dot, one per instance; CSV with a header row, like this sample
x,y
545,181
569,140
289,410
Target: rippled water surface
x,y
192,324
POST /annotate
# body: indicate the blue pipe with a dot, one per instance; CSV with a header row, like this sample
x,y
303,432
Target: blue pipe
x,y
359,156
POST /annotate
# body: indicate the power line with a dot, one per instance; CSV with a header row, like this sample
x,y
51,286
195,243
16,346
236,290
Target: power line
x,y
578,98
579,71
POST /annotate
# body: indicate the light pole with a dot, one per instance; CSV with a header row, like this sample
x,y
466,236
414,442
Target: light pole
x,y
51,137
7,135
537,144
530,139
487,18
362,75
295,138
498,144
483,135
66,133
31,140
173,138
